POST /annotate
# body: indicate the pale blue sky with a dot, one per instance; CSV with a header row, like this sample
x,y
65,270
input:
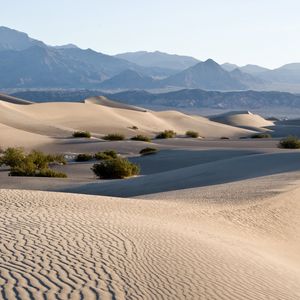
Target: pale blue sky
x,y
261,32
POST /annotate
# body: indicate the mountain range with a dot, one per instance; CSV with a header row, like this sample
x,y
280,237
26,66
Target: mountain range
x,y
186,99
29,63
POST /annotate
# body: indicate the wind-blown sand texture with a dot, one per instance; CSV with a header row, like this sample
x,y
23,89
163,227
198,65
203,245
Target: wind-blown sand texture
x,y
72,246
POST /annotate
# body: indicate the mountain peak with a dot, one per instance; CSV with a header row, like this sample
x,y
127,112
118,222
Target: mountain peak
x,y
11,39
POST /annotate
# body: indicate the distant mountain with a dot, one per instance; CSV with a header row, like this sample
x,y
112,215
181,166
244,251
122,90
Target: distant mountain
x,y
129,79
14,40
67,46
229,67
183,99
29,63
247,79
159,59
288,74
25,62
206,75
253,69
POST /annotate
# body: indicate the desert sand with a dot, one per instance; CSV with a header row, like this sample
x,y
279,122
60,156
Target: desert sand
x,y
206,218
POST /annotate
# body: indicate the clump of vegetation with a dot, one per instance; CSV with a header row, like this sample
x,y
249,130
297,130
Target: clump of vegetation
x,y
117,168
142,138
148,151
167,134
36,163
261,136
84,157
82,134
192,134
114,137
12,157
108,154
290,142
224,138
134,127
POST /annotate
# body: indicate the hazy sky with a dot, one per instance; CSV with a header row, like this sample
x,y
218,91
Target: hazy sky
x,y
265,32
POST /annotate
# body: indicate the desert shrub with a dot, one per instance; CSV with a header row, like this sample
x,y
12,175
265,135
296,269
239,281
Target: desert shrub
x,y
83,157
36,163
224,138
148,151
142,138
192,134
134,127
261,136
167,134
80,134
107,154
50,173
57,159
115,169
114,137
12,157
290,142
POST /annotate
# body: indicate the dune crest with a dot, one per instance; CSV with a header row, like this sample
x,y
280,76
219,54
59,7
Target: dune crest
x,y
243,119
102,100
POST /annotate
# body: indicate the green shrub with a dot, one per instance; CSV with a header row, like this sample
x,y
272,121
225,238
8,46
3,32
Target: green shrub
x,y
115,169
50,173
83,157
107,154
36,163
192,134
148,151
57,159
12,157
114,137
167,134
142,138
261,136
290,142
80,134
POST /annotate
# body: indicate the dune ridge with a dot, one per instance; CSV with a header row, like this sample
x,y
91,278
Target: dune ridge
x,y
59,120
243,119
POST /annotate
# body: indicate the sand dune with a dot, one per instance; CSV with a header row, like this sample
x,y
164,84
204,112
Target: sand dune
x,y
211,218
11,99
13,137
73,246
58,120
206,174
104,101
243,119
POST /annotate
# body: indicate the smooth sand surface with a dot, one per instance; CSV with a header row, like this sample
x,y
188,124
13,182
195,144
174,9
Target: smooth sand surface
x,y
205,174
244,119
60,120
104,101
64,246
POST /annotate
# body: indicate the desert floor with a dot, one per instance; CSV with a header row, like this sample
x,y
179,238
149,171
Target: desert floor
x,y
206,218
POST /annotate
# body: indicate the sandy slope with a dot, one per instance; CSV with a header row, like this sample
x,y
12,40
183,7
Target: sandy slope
x,y
13,137
197,175
244,119
63,245
10,99
59,120
104,101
